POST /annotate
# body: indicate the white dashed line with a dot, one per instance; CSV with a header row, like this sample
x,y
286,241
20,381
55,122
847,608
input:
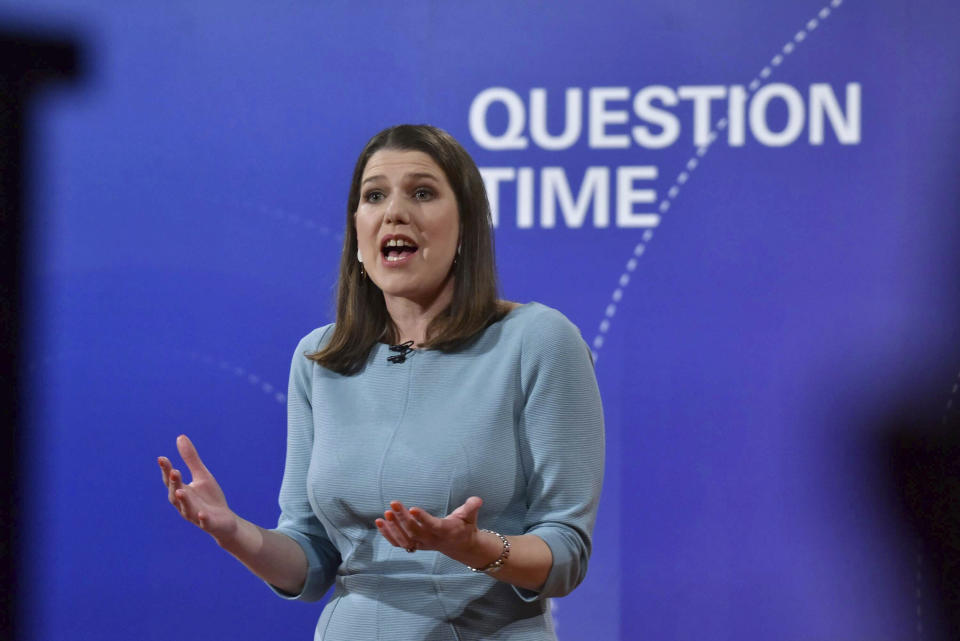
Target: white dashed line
x,y
674,190
253,379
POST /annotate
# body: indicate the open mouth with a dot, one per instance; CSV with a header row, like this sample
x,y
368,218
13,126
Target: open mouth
x,y
397,249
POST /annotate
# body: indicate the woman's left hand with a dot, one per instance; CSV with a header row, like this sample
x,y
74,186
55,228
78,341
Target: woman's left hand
x,y
414,529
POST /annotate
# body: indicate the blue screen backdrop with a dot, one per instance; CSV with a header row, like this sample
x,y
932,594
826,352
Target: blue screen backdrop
x,y
749,209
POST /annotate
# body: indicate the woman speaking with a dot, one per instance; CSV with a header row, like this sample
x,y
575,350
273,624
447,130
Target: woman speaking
x,y
444,447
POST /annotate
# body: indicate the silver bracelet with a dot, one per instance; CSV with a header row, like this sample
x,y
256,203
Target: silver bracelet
x,y
496,565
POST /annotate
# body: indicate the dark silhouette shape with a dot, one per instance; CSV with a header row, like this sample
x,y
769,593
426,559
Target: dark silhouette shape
x,y
924,459
26,62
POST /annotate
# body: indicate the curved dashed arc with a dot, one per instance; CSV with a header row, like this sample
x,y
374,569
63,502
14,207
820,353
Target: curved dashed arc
x,y
691,165
253,379
281,214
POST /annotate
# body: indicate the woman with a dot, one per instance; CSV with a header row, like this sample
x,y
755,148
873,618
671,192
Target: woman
x,y
427,399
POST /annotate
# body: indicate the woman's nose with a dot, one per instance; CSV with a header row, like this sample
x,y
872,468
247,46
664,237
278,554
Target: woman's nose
x,y
396,210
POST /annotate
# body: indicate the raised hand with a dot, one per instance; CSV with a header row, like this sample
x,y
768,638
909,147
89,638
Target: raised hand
x,y
415,529
201,502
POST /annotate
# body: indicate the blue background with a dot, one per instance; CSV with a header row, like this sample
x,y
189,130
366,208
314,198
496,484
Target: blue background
x,y
189,202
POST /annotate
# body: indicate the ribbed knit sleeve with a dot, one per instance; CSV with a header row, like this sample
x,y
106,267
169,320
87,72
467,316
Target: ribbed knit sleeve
x,y
562,447
297,519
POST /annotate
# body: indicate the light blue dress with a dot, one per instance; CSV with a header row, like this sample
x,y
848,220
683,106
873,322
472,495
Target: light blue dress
x,y
514,418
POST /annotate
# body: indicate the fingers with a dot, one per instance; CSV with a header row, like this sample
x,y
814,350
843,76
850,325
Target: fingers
x,y
193,501
391,531
387,534
165,468
169,476
411,526
415,528
175,483
189,455
469,510
426,520
185,502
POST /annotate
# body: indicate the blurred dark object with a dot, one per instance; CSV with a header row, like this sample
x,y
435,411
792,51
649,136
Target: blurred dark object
x,y
26,62
925,460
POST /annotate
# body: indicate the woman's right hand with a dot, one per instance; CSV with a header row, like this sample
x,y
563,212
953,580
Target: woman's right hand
x,y
201,502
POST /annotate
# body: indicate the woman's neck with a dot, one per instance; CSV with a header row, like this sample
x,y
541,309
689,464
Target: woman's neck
x,y
413,317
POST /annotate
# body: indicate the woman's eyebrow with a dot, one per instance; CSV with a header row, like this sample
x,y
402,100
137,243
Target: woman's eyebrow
x,y
409,176
421,174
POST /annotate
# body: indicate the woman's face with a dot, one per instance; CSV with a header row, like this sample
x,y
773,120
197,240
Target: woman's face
x,y
408,225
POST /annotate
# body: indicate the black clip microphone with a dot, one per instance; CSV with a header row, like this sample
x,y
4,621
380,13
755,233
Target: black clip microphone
x,y
403,348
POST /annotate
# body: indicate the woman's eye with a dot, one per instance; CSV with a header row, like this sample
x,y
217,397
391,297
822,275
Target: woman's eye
x,y
423,194
373,196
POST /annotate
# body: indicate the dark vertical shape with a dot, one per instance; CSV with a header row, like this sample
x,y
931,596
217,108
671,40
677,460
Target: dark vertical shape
x,y
924,458
920,450
26,61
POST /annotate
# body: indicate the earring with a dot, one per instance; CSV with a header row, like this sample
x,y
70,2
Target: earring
x,y
363,274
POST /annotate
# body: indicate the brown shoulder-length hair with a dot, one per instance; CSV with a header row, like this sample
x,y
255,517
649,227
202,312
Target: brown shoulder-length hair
x,y
362,318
